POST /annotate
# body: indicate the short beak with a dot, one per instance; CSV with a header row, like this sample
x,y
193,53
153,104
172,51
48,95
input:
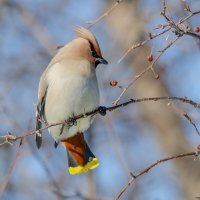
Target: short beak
x,y
102,61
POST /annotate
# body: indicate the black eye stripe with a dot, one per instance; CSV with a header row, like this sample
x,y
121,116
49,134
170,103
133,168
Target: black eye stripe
x,y
94,53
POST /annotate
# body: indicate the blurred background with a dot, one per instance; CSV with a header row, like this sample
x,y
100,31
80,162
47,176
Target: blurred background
x,y
128,139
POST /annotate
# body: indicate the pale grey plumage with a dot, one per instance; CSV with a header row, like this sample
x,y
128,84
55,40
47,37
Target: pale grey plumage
x,y
69,86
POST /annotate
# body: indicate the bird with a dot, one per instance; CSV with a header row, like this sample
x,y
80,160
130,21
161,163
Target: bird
x,y
68,87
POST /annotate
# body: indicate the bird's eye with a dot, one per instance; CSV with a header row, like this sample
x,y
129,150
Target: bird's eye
x,y
94,54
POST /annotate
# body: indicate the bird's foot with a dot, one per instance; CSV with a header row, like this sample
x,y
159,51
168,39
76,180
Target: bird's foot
x,y
72,121
102,110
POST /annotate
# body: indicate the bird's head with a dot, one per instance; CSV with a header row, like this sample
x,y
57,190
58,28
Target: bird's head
x,y
88,46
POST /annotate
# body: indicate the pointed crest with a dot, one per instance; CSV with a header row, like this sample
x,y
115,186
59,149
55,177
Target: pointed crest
x,y
88,35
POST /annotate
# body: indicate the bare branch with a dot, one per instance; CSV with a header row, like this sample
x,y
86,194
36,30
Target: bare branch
x,y
135,46
150,67
179,28
33,24
191,122
93,22
172,25
10,139
147,169
5,181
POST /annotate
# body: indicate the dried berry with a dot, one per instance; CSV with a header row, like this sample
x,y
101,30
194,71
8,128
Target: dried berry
x,y
150,57
113,83
157,76
196,29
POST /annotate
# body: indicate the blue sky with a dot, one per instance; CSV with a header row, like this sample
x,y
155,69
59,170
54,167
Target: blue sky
x,y
22,61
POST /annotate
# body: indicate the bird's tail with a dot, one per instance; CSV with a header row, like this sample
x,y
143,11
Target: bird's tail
x,y
80,157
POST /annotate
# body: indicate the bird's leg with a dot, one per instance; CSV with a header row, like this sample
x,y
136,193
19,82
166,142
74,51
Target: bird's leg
x,y
102,110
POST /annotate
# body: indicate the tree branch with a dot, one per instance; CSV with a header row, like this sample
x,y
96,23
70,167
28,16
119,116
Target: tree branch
x,y
10,139
150,167
150,67
170,26
93,22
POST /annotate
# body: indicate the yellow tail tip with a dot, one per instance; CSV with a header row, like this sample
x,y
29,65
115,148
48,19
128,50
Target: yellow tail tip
x,y
79,169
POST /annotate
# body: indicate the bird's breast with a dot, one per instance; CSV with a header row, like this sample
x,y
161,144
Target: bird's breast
x,y
68,95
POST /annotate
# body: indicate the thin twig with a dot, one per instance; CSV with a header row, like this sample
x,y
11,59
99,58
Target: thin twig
x,y
80,195
180,30
11,168
150,67
135,46
147,169
191,122
170,25
37,29
193,35
177,30
93,22
10,139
